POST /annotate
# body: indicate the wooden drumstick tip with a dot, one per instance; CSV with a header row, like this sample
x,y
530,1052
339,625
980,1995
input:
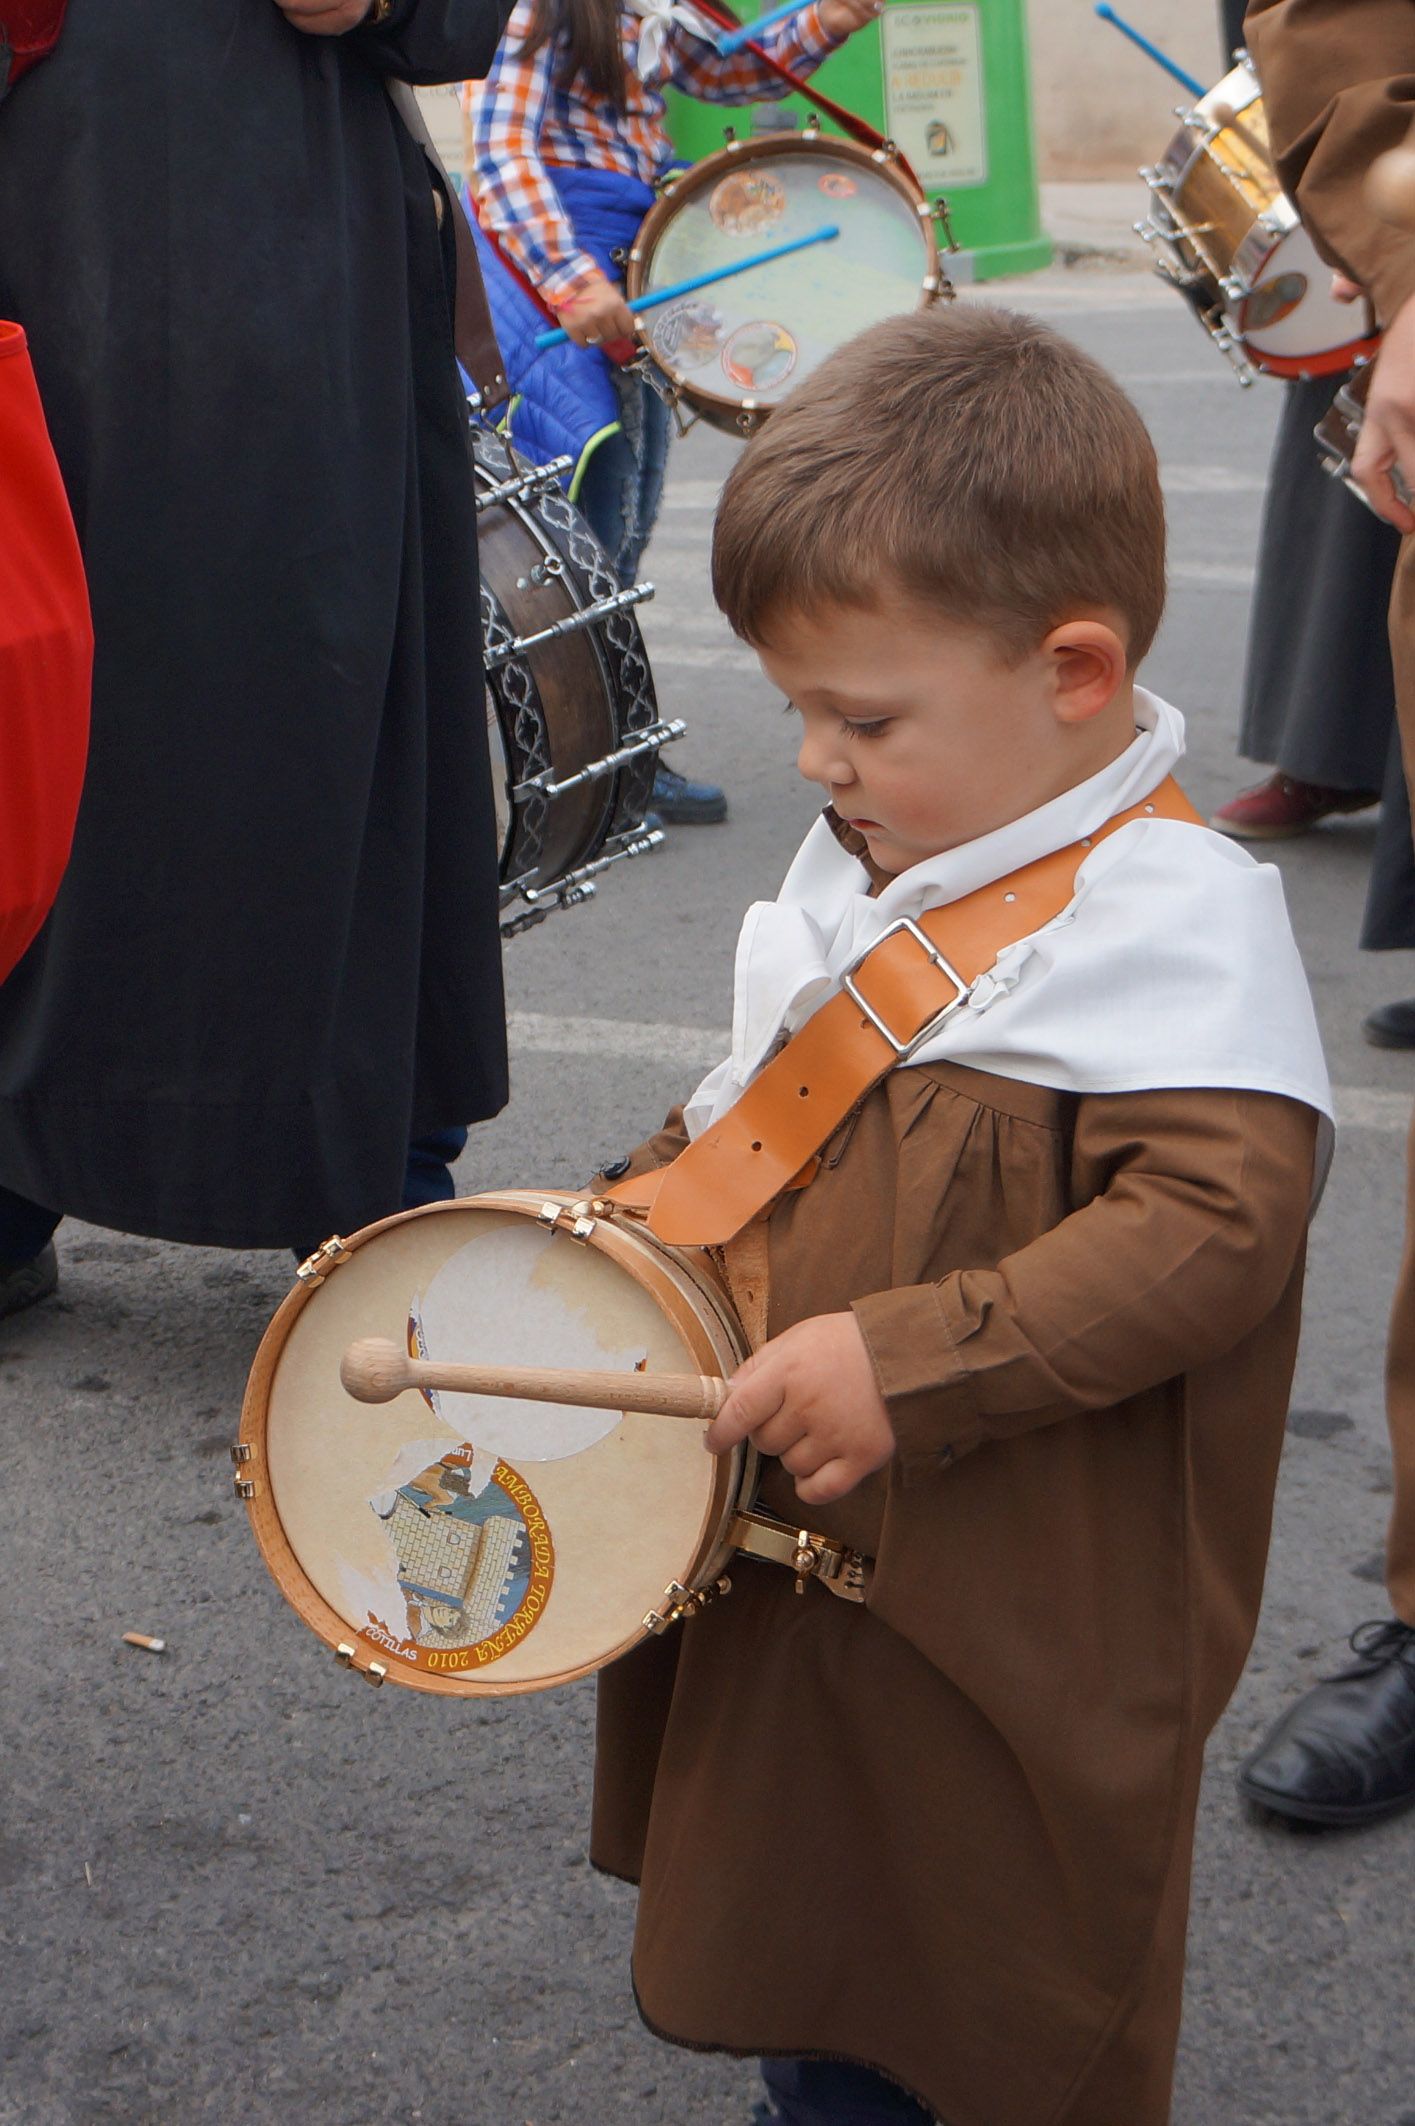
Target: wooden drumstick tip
x,y
1390,187
374,1370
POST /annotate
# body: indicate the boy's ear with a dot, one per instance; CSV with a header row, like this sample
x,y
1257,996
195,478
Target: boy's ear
x,y
1088,665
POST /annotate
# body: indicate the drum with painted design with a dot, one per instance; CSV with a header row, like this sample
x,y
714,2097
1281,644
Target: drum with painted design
x,y
469,1545
1228,237
732,351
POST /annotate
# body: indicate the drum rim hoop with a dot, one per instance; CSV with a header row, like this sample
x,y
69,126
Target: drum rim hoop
x,y
688,183
734,1478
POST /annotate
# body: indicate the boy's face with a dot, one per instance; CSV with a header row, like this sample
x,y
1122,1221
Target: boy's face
x,y
924,736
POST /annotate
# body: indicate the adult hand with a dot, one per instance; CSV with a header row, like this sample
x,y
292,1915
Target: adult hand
x,y
840,18
324,18
599,314
1387,441
811,1398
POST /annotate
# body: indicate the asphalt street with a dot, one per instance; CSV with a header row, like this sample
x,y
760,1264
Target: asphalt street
x,y
237,1885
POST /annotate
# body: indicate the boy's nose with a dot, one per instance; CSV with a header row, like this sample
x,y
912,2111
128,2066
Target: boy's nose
x,y
819,762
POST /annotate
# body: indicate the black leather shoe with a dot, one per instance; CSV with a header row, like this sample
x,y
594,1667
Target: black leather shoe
x,y
1345,1753
680,803
1391,1025
24,1284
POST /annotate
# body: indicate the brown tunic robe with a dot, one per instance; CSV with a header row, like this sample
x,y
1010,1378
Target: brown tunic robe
x,y
1339,89
948,1834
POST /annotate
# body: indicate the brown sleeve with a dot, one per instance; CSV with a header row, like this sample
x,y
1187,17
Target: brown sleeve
x,y
1338,82
658,1150
1200,1211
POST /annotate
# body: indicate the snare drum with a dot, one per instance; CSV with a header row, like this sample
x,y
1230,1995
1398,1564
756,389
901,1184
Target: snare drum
x,y
574,725
732,351
1230,240
477,1545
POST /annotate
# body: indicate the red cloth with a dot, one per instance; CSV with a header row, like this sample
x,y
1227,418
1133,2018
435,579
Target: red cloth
x,y
31,29
46,659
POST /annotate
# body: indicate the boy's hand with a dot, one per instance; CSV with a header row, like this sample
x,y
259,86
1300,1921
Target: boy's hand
x,y
810,1397
1387,440
839,18
597,316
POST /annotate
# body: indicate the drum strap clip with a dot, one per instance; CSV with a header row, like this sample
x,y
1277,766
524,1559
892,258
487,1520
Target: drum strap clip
x,y
834,1565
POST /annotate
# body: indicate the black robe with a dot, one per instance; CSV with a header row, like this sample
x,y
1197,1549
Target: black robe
x,y
276,952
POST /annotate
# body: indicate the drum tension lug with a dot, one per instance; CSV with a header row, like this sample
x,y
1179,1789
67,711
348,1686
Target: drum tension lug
x,y
374,1673
680,1602
316,1267
244,1486
576,1219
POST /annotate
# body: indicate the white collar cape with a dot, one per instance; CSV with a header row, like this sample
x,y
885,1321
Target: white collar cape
x,y
1173,966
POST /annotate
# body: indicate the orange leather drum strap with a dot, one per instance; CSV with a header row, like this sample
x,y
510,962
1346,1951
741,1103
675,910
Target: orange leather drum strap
x,y
894,996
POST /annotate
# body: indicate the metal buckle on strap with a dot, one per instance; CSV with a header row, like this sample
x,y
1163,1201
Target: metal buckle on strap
x,y
903,1050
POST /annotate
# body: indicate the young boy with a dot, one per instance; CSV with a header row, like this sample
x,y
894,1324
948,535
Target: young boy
x,y
1032,1319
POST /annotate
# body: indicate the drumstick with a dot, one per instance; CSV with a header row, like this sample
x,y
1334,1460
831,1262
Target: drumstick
x,y
1152,51
704,280
735,39
374,1370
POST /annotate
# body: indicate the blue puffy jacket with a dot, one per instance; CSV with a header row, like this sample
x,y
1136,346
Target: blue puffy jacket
x,y
563,401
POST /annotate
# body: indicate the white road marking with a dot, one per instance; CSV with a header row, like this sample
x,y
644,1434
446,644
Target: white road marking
x,y
1367,1107
697,495
1213,575
547,1033
728,659
1211,480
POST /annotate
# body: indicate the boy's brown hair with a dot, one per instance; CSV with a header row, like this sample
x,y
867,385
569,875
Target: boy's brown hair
x,y
965,457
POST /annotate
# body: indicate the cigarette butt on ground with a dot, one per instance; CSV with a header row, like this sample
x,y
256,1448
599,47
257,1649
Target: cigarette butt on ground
x,y
140,1638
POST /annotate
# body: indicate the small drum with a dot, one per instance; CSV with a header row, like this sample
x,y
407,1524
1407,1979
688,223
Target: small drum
x,y
1230,240
574,725
732,351
478,1545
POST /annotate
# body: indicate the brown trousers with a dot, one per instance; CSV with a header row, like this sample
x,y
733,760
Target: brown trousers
x,y
1400,1350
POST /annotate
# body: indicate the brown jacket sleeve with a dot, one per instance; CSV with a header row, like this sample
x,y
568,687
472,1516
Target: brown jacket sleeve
x,y
1197,1210
1338,82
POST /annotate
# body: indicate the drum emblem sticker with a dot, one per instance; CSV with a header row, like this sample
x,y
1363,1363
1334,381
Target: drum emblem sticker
x,y
746,202
474,1556
689,334
759,355
1273,301
837,184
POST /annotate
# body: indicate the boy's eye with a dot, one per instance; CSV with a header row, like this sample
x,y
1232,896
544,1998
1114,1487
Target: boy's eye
x,y
864,730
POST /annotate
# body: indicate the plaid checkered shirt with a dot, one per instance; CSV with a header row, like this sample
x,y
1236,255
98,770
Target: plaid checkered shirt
x,y
524,124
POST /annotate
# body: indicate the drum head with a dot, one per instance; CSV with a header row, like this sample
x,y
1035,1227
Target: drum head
x,y
475,1544
743,343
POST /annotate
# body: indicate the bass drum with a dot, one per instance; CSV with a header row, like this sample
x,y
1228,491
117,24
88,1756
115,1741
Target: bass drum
x,y
573,720
732,351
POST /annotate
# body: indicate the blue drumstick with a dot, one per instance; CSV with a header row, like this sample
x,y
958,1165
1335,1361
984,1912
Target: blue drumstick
x,y
750,31
703,280
1108,14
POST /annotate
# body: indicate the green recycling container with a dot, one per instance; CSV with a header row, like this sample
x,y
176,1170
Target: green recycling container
x,y
948,81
